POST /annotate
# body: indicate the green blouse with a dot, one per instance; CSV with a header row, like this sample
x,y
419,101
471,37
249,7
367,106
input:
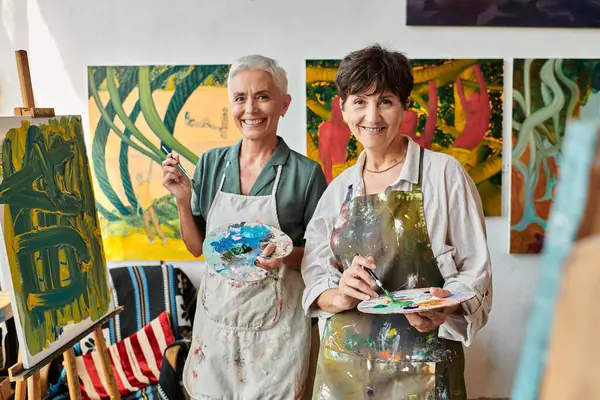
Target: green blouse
x,y
300,187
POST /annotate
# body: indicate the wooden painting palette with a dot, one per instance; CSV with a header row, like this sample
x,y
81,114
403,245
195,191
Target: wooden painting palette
x,y
231,250
411,301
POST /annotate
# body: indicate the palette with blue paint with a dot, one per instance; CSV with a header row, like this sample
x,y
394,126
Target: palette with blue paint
x,y
411,301
231,250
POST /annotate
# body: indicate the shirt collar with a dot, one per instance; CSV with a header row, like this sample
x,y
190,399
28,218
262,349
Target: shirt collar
x,y
409,171
279,156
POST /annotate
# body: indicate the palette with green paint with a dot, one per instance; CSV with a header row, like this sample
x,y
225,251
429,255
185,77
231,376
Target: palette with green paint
x,y
411,301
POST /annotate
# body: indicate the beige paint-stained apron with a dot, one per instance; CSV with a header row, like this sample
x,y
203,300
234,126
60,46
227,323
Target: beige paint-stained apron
x,y
250,339
365,356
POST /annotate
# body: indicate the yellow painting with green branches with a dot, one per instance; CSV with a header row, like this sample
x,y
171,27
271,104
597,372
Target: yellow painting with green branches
x,y
135,113
455,108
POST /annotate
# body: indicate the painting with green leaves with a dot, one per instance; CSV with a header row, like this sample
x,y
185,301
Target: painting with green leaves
x,y
455,108
135,112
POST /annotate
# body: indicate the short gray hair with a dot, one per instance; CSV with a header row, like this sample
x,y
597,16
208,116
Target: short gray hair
x,y
255,62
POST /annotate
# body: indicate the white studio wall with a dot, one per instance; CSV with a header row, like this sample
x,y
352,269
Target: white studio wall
x,y
64,37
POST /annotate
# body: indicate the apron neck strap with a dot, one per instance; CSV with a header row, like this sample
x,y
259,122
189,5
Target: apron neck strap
x,y
223,178
417,187
277,178
275,185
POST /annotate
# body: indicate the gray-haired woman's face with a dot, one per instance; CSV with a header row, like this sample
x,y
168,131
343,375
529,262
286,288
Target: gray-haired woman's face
x,y
256,104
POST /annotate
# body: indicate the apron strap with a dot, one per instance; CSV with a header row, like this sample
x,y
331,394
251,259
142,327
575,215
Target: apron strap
x,y
421,153
223,178
276,184
349,193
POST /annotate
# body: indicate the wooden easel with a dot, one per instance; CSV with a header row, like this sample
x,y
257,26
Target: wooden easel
x,y
31,376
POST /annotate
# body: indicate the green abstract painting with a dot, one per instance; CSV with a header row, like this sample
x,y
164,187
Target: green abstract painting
x,y
53,260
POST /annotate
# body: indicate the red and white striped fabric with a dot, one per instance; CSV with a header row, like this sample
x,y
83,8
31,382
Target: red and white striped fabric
x,y
136,361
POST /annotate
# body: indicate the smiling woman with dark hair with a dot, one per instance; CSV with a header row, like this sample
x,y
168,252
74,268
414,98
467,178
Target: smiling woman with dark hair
x,y
258,345
415,218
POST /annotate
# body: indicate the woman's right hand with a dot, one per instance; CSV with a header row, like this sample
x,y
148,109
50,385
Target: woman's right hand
x,y
175,180
356,284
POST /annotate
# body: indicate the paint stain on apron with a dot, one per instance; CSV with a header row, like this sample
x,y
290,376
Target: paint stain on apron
x,y
367,356
250,339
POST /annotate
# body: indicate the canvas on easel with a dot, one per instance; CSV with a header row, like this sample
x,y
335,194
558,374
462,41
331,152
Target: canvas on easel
x,y
567,287
51,256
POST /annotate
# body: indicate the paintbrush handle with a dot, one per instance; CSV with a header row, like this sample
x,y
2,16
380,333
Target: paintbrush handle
x,y
377,281
179,165
185,172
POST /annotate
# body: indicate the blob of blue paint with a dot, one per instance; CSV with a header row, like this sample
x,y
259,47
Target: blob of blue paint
x,y
242,238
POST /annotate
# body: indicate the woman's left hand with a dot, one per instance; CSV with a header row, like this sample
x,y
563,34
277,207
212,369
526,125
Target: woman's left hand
x,y
428,321
266,263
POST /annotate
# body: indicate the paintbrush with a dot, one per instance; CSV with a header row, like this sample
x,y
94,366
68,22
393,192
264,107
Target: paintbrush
x,y
378,282
179,165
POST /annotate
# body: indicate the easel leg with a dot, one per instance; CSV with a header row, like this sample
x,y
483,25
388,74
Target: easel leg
x,y
72,379
44,380
21,390
34,389
20,386
113,391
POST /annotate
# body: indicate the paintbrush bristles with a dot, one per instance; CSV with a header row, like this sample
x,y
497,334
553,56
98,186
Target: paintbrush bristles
x,y
378,282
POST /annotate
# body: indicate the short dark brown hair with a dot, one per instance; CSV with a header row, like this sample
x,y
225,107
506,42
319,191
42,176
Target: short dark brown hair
x,y
375,70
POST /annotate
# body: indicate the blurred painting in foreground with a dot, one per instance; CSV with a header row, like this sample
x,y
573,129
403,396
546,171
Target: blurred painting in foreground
x,y
134,112
525,13
547,94
456,108
52,260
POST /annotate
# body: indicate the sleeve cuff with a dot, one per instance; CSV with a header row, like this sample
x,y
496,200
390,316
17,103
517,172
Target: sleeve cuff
x,y
462,328
311,294
470,307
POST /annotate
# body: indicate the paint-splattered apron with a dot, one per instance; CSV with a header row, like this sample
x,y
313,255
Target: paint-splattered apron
x,y
366,356
250,339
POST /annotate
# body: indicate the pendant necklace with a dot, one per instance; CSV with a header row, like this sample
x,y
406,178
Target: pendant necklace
x,y
388,168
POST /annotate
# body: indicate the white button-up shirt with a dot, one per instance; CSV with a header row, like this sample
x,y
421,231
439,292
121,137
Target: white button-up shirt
x,y
456,227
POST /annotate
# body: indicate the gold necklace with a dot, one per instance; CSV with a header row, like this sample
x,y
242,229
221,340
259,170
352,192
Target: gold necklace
x,y
388,168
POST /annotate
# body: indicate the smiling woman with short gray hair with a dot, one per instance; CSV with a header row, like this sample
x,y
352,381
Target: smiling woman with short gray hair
x,y
259,347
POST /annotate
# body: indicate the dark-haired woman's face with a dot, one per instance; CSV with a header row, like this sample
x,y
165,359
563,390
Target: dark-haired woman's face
x,y
374,119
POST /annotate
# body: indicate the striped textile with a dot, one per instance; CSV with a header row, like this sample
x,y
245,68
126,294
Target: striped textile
x,y
146,292
136,361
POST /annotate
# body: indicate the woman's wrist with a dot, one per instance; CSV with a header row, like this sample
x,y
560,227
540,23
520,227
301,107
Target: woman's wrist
x,y
183,202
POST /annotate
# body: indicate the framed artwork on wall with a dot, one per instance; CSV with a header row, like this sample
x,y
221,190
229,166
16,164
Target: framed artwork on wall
x,y
547,94
456,108
135,111
508,13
